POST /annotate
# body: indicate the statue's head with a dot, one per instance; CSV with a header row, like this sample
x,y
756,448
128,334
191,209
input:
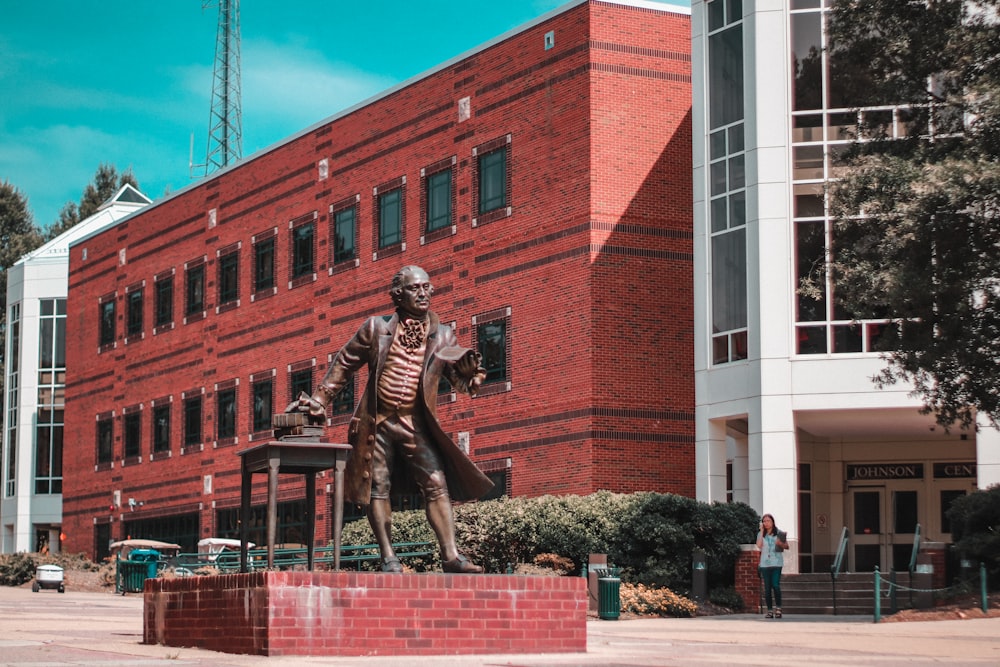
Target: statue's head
x,y
411,291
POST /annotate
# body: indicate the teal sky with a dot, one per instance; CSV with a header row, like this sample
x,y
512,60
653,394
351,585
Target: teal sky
x,y
128,83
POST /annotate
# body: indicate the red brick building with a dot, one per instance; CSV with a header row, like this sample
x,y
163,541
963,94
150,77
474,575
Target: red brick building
x,y
543,180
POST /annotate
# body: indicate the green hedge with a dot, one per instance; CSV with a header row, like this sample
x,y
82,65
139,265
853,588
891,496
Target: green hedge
x,y
975,529
651,536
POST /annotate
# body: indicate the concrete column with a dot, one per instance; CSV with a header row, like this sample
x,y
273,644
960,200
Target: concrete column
x,y
710,463
987,454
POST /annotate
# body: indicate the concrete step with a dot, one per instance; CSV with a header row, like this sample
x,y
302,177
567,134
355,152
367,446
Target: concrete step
x,y
814,593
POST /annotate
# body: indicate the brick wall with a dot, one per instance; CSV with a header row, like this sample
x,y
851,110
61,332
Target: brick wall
x,y
748,584
366,614
589,266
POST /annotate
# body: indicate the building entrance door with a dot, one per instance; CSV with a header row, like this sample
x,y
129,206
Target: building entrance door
x,y
883,522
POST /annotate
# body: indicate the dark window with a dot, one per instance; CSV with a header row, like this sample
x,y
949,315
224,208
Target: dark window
x,y
107,322
492,343
948,496
133,434
161,428
344,230
303,238
343,402
262,405
263,252
501,482
493,180
229,278
164,301
301,382
290,528
226,414
195,290
134,313
438,200
182,529
192,420
390,218
105,441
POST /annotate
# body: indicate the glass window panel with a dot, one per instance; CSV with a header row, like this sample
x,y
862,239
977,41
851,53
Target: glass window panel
x,y
807,163
807,61
344,233
807,128
810,248
734,10
343,402
105,443
882,336
492,343
811,340
867,513
877,123
738,345
720,349
262,408
45,347
132,428
301,383
302,250
226,413
192,421
737,173
717,145
729,281
904,513
717,174
493,180
725,76
161,428
135,313
842,127
719,213
439,200
195,289
716,14
948,496
738,209
835,159
736,138
164,301
263,252
47,307
390,218
228,278
107,323
847,338
808,200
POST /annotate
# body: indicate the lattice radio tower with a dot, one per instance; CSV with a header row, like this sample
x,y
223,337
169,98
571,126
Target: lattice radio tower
x,y
225,126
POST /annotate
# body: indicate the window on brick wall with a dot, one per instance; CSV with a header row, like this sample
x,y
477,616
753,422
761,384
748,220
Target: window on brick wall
x,y
132,427
344,231
161,428
493,180
107,319
105,440
390,218
300,382
303,249
195,297
438,196
134,317
164,302
225,413
263,265
491,338
343,402
229,278
263,408
192,420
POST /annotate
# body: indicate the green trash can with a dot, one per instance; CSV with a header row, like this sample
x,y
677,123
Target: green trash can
x,y
132,572
609,602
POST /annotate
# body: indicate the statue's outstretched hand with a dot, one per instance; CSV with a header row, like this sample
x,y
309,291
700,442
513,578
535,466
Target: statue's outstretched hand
x,y
306,403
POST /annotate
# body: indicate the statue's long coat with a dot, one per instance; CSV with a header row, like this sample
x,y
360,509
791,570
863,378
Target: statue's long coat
x,y
370,346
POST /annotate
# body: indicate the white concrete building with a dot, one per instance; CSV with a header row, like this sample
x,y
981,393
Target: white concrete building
x,y
788,419
31,501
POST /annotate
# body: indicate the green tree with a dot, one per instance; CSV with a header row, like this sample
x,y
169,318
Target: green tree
x,y
18,235
106,182
917,215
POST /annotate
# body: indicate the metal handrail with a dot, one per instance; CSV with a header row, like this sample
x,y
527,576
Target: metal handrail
x,y
916,549
838,562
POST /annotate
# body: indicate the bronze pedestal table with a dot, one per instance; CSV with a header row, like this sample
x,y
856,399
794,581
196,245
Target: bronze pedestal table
x,y
305,458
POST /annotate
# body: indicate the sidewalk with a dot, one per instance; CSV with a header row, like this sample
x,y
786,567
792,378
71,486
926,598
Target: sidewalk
x,y
78,628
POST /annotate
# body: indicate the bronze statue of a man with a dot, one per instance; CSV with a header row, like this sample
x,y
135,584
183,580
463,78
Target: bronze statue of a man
x,y
395,425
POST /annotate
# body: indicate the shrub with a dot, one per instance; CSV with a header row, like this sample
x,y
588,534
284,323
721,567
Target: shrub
x,y
975,528
726,597
639,599
16,569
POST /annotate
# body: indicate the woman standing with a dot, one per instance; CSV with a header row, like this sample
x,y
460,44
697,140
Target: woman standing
x,y
771,543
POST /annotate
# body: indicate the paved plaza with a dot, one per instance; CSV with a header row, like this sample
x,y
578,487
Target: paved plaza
x,y
47,629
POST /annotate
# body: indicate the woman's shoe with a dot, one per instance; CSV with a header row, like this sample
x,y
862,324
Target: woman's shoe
x,y
777,613
769,614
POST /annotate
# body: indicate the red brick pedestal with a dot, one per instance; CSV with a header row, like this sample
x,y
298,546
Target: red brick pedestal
x,y
747,578
361,613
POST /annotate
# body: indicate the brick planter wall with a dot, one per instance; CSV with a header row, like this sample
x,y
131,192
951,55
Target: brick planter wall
x,y
365,614
747,578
